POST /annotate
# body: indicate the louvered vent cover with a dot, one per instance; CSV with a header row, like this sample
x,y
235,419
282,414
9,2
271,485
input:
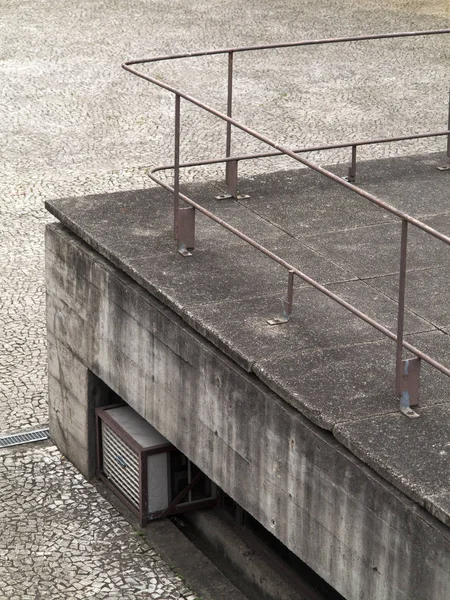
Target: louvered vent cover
x,y
121,464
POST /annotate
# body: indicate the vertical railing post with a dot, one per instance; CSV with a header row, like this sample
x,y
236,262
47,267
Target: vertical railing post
x,y
183,218
352,169
401,309
176,171
448,126
287,304
230,166
406,371
229,102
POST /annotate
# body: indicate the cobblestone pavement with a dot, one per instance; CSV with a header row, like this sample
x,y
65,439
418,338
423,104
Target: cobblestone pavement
x,y
72,122
64,540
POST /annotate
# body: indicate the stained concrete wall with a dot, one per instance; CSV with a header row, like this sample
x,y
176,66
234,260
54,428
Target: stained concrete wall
x,y
354,529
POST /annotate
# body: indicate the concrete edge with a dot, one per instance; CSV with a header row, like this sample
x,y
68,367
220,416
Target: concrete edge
x,y
260,572
312,417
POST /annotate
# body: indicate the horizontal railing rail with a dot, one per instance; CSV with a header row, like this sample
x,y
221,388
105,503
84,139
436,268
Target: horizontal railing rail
x,y
337,146
407,371
318,42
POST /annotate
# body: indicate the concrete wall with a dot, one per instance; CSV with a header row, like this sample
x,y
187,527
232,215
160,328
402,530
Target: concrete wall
x,y
355,530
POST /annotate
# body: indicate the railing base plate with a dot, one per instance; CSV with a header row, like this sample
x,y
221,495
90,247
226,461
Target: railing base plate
x,y
409,412
183,250
230,197
278,320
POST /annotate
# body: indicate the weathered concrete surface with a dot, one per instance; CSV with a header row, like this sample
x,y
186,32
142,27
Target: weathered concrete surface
x,y
353,528
257,570
325,363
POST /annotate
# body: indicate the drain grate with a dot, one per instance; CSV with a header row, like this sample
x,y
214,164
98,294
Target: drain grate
x,y
15,439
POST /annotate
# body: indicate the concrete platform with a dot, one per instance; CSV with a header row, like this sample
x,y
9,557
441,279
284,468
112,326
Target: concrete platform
x,y
326,364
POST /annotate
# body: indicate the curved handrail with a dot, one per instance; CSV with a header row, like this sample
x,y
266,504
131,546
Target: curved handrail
x,y
294,154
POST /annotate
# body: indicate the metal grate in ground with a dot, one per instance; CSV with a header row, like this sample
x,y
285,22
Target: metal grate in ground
x,y
16,439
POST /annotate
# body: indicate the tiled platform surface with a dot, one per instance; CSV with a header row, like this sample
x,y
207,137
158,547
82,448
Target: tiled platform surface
x,y
325,362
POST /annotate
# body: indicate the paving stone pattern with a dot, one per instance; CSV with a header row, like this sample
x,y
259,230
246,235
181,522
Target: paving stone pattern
x,y
63,540
74,123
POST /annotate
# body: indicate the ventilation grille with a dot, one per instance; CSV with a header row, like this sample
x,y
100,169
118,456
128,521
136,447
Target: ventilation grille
x,y
121,464
24,438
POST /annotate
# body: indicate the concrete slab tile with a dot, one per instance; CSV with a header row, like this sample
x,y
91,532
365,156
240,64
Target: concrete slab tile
x,y
374,251
427,293
215,273
412,184
240,328
346,383
334,384
435,343
138,238
413,454
379,306
301,202
441,222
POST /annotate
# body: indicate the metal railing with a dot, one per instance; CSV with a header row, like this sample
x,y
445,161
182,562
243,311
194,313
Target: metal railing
x,y
407,371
